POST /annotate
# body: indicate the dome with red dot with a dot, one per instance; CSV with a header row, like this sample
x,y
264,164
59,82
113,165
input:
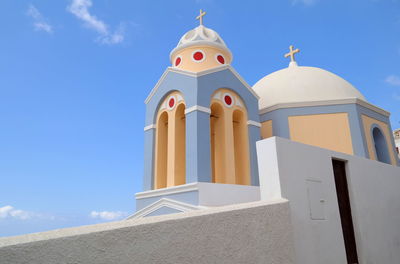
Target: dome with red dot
x,y
178,61
202,36
220,59
198,56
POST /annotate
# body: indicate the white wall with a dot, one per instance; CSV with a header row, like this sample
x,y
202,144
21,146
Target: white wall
x,y
303,174
258,232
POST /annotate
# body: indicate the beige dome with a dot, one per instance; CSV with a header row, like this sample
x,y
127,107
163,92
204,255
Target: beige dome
x,y
303,84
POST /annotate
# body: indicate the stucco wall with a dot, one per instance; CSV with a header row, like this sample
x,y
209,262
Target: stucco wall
x,y
257,232
303,174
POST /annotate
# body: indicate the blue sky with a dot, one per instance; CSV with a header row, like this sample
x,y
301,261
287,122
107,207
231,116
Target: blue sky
x,y
74,75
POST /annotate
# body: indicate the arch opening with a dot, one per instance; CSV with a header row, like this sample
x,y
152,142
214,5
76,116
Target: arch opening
x,y
381,149
180,145
161,151
241,148
230,153
170,147
217,121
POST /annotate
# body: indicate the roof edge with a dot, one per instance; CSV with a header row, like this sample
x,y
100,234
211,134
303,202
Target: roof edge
x,y
198,74
325,102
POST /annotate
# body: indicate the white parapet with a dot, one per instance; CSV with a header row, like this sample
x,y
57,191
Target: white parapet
x,y
258,232
304,175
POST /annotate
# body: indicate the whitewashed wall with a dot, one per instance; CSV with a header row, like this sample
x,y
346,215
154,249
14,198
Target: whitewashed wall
x,y
304,175
257,232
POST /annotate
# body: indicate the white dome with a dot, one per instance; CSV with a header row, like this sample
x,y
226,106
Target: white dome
x,y
201,36
303,84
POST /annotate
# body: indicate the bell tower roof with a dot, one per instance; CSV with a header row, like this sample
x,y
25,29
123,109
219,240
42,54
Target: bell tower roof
x,y
200,36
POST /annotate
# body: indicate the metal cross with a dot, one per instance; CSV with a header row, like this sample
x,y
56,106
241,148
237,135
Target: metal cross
x,y
291,53
200,17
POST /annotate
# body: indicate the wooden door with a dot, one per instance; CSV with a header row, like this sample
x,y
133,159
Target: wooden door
x,y
339,170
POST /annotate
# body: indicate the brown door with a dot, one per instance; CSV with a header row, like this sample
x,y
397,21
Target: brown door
x,y
339,170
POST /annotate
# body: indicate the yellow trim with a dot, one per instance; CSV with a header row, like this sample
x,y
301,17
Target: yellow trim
x,y
367,123
330,131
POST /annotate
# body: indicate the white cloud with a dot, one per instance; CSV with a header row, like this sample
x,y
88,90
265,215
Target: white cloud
x,y
4,211
115,38
304,2
393,80
107,215
80,8
39,22
9,212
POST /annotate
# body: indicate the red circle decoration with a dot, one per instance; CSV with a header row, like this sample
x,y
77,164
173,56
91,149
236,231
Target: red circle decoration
x,y
198,56
228,99
178,61
221,59
171,102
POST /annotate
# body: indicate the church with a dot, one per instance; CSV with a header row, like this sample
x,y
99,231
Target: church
x,y
299,168
203,122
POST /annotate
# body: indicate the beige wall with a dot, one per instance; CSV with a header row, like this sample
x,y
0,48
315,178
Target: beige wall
x,y
368,122
329,131
266,129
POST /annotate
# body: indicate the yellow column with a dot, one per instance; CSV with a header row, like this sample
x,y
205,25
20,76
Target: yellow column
x,y
171,149
161,151
180,145
229,150
241,148
218,155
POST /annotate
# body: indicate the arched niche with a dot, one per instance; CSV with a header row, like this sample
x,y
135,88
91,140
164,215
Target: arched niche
x,y
380,144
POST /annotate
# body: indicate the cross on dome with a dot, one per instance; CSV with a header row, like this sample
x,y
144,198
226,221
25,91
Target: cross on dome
x,y
200,17
291,53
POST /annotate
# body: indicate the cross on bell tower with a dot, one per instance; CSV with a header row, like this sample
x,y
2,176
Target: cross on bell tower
x,y
200,17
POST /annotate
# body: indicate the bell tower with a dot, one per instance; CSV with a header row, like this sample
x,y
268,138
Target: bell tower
x,y
201,128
